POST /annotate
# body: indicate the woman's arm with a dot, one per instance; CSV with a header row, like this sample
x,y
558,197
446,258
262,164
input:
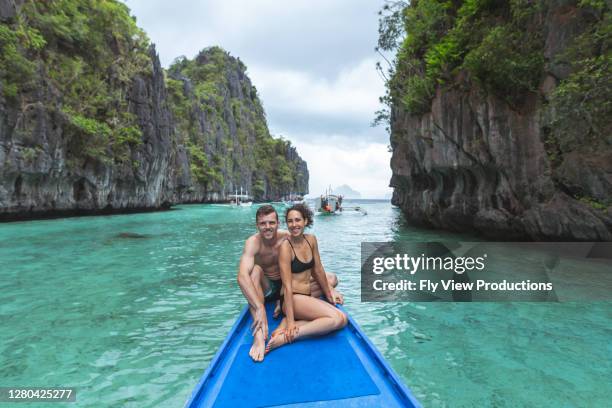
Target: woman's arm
x,y
284,263
319,272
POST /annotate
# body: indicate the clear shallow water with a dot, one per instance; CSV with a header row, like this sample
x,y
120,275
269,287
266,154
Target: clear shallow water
x,y
134,321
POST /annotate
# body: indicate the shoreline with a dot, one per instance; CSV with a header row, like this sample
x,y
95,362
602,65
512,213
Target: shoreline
x,y
74,213
37,215
78,212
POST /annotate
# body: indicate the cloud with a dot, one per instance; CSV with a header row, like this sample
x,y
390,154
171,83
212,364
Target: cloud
x,y
297,102
353,92
317,35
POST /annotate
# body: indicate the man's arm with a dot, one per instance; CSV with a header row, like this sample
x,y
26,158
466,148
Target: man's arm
x,y
247,262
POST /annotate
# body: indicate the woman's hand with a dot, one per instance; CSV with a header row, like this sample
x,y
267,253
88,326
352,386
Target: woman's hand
x,y
338,298
291,332
335,297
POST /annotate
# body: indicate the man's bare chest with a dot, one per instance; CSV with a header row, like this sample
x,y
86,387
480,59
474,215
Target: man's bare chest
x,y
267,257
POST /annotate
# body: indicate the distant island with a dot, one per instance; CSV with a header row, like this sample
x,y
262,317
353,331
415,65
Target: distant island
x,y
347,191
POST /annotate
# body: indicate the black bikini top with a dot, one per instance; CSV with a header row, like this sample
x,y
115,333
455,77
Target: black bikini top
x,y
298,266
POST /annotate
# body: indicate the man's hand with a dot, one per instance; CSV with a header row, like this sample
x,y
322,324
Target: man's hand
x,y
260,321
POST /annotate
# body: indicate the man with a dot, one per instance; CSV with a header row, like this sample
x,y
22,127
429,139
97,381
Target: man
x,y
259,275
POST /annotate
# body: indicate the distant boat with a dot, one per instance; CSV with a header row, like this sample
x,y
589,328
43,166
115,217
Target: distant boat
x,y
294,199
240,200
329,203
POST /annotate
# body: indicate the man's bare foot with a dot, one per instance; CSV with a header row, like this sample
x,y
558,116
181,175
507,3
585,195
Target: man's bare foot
x,y
277,309
276,340
258,348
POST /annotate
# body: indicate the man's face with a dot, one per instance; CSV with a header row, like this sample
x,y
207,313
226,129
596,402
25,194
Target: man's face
x,y
267,225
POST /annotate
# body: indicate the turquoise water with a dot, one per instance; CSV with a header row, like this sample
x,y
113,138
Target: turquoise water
x,y
134,320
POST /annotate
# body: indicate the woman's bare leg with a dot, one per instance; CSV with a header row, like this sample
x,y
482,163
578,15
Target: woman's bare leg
x,y
283,325
315,289
320,318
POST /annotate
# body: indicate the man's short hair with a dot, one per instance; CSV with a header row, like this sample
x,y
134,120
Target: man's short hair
x,y
265,210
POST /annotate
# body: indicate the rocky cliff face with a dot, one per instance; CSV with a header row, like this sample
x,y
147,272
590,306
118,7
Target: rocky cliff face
x,y
42,175
476,163
131,150
220,126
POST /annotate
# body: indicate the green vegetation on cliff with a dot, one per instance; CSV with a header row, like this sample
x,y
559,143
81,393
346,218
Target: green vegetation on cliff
x,y
580,108
88,52
498,44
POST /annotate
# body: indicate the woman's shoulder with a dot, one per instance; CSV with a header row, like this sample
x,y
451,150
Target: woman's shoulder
x,y
311,238
284,249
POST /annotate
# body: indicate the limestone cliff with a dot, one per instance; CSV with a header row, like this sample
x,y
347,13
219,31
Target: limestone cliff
x,y
496,154
89,121
220,124
42,169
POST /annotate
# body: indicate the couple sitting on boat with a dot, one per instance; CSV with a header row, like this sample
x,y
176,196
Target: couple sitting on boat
x,y
285,266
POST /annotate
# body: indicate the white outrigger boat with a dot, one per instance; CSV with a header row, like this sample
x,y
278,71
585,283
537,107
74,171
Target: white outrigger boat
x,y
240,200
294,199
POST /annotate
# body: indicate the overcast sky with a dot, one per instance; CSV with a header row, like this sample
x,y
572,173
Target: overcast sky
x,y
313,63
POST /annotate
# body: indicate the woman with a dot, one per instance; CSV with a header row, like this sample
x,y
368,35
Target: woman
x,y
298,258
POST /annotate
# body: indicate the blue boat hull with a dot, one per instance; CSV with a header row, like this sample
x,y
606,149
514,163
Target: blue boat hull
x,y
342,369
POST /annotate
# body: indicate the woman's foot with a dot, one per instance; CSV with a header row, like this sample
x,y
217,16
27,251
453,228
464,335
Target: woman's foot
x,y
281,327
277,339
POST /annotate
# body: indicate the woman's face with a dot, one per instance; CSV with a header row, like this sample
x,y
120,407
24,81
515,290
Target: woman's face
x,y
295,223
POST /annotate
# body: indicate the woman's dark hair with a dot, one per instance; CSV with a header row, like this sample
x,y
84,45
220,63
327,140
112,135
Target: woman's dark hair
x,y
305,211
